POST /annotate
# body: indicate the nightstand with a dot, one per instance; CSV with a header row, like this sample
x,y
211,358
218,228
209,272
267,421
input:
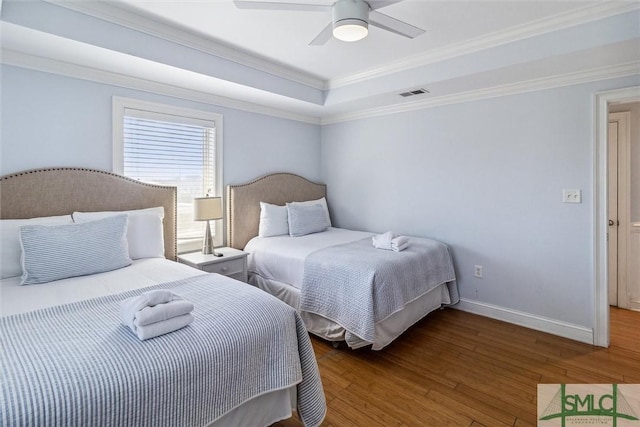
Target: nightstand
x,y
233,263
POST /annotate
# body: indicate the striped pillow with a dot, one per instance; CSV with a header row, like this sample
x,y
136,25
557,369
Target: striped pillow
x,y
10,265
306,219
322,202
54,252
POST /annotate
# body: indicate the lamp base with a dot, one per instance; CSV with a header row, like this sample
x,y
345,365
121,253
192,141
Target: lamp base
x,y
207,243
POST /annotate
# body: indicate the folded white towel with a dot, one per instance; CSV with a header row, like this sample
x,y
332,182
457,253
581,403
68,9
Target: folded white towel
x,y
399,243
131,307
161,312
383,241
163,327
390,242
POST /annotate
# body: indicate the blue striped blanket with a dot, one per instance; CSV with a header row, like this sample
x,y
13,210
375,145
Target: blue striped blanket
x,y
358,286
77,365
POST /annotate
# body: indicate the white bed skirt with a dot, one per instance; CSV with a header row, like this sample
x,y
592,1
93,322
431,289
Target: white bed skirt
x,y
386,330
263,410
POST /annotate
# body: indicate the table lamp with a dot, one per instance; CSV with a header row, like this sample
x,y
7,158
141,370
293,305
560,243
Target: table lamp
x,y
207,209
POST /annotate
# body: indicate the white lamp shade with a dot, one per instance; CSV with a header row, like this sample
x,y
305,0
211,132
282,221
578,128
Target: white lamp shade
x,y
350,30
350,20
207,208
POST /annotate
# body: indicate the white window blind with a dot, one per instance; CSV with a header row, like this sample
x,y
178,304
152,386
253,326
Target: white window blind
x,y
174,150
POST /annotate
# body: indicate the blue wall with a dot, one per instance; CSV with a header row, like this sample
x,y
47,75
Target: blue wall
x,y
486,177
51,120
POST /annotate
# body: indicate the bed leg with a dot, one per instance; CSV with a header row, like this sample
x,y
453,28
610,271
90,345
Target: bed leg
x,y
335,344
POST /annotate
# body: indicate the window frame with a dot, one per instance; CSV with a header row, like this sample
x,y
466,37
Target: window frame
x,y
120,104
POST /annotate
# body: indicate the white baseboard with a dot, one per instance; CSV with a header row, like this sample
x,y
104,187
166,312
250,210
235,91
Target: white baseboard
x,y
532,321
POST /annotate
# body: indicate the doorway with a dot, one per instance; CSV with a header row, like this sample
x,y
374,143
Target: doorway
x,y
623,283
605,103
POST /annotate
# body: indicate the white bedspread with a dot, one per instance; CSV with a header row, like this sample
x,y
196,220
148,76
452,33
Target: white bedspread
x,y
77,365
282,258
359,286
15,299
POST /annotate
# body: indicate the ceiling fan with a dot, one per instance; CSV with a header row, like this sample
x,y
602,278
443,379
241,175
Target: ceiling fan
x,y
350,18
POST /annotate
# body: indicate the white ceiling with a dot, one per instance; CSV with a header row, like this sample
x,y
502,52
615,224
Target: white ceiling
x,y
260,60
283,36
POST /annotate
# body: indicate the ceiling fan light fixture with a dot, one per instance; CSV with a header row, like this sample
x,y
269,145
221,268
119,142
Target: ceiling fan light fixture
x,y
350,20
350,30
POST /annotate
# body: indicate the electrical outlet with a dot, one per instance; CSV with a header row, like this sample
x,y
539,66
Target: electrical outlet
x,y
477,271
571,196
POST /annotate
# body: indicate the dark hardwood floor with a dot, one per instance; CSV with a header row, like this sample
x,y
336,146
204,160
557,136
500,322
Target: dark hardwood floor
x,y
459,369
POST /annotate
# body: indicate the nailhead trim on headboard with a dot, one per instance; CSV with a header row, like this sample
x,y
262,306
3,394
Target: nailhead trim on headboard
x,y
14,204
243,202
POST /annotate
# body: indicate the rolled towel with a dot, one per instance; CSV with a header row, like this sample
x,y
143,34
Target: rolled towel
x,y
163,327
132,306
161,312
383,241
399,243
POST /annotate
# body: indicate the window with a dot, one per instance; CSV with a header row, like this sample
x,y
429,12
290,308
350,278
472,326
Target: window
x,y
171,146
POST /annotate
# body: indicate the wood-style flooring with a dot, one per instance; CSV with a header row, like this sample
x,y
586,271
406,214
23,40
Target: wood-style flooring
x,y
458,369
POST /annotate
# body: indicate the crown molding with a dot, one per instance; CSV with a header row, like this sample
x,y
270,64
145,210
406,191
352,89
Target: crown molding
x,y
513,34
67,69
602,73
217,92
120,13
48,65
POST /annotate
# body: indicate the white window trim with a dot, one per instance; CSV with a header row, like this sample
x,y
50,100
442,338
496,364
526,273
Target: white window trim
x,y
118,109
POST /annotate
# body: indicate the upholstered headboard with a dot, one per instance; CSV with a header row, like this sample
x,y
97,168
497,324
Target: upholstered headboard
x,y
61,191
243,202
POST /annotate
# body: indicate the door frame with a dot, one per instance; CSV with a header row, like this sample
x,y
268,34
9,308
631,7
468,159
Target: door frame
x,y
600,270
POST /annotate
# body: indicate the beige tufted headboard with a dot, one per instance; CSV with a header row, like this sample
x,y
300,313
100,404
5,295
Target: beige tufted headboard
x,y
243,202
61,191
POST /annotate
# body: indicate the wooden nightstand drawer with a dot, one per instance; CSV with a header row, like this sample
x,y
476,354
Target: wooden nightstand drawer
x,y
226,268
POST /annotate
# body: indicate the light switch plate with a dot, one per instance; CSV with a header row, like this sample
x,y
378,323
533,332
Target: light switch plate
x,y
571,196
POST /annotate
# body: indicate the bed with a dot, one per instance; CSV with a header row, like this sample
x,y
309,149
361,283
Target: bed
x,y
66,357
317,272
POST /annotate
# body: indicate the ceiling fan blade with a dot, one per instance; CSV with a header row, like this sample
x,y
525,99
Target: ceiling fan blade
x,y
394,25
323,37
266,5
377,4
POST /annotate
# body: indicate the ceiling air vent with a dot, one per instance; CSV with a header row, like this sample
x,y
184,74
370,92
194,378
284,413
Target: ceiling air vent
x,y
413,93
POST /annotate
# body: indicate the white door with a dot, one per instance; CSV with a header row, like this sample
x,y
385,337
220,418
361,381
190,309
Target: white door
x,y
619,213
612,236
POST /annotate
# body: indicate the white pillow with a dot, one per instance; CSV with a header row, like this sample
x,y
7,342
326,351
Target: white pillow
x,y
10,251
144,233
273,220
322,201
306,219
54,252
